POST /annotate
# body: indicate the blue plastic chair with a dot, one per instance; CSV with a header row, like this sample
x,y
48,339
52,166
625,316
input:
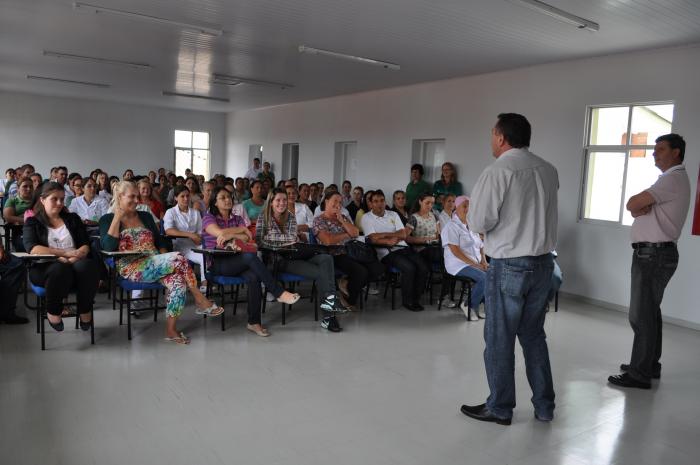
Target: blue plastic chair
x,y
40,293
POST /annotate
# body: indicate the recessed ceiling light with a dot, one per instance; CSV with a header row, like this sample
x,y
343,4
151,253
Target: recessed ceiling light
x,y
68,81
203,97
227,80
154,19
102,61
561,15
343,56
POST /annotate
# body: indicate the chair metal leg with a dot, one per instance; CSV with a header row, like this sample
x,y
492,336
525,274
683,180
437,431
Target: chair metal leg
x,y
393,280
43,330
223,305
128,317
154,303
121,306
38,314
92,327
556,302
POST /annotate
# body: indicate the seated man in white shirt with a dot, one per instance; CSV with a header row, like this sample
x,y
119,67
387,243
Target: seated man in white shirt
x,y
384,227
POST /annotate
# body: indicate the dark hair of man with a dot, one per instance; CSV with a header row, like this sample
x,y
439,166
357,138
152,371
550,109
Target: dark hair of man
x,y
376,193
256,159
252,184
74,175
238,179
675,142
113,178
347,182
515,129
302,185
177,190
418,167
212,200
28,165
46,190
59,168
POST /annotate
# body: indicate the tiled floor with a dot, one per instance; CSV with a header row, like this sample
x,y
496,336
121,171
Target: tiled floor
x,y
385,391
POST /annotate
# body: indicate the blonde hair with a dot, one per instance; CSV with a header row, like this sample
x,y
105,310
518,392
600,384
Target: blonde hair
x,y
118,190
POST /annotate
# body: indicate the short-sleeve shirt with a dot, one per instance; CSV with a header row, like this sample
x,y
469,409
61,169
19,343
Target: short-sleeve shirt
x,y
332,226
253,210
388,223
189,221
92,211
667,217
423,227
233,221
20,205
469,242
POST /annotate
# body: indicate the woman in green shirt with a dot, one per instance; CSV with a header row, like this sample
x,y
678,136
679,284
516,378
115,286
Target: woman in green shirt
x,y
447,184
254,205
416,187
16,206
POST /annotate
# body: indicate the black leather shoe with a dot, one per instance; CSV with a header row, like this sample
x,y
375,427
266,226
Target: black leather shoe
x,y
625,367
57,326
413,308
625,380
14,320
418,307
481,413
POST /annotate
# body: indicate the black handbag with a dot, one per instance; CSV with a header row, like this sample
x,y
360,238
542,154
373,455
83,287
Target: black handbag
x,y
361,252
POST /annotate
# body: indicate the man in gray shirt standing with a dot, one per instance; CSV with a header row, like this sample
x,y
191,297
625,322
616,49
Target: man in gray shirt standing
x,y
514,204
659,214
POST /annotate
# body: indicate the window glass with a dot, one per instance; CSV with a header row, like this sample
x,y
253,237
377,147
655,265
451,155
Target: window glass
x,y
605,175
609,126
183,139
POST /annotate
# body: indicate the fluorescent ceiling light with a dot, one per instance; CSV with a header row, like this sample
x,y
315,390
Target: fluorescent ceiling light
x,y
154,19
68,81
203,97
561,15
227,80
102,61
367,61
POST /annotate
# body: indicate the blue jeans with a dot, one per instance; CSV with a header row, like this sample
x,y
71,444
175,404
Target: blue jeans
x,y
479,278
516,293
652,269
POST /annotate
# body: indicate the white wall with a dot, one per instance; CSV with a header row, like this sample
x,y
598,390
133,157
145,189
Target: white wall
x,y
595,259
88,134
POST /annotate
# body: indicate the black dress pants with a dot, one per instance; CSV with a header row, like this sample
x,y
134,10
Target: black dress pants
x,y
359,274
59,279
414,274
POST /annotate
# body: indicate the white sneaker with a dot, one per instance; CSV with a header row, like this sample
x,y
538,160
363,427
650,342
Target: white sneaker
x,y
449,303
373,289
481,311
465,309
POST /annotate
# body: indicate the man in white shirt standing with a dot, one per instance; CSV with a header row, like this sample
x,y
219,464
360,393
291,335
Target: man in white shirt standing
x,y
384,227
514,204
254,171
659,214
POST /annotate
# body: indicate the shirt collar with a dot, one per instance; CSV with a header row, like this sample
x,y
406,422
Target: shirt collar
x,y
673,168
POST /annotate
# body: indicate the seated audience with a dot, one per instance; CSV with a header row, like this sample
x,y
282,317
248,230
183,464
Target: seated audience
x,y
417,185
398,205
15,208
301,212
366,206
334,229
184,223
266,174
104,188
313,196
89,207
37,180
127,229
55,231
148,201
447,184
195,195
353,207
346,193
222,227
383,227
11,278
425,229
448,208
464,255
128,175
240,194
254,205
277,226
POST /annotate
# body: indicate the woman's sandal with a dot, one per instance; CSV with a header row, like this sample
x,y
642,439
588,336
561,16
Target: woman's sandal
x,y
214,310
262,332
289,300
181,339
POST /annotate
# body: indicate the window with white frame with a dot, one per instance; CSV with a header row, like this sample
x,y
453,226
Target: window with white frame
x,y
618,157
192,152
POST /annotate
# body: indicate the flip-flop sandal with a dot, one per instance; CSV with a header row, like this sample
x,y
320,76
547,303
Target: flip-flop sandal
x,y
214,310
181,339
260,332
